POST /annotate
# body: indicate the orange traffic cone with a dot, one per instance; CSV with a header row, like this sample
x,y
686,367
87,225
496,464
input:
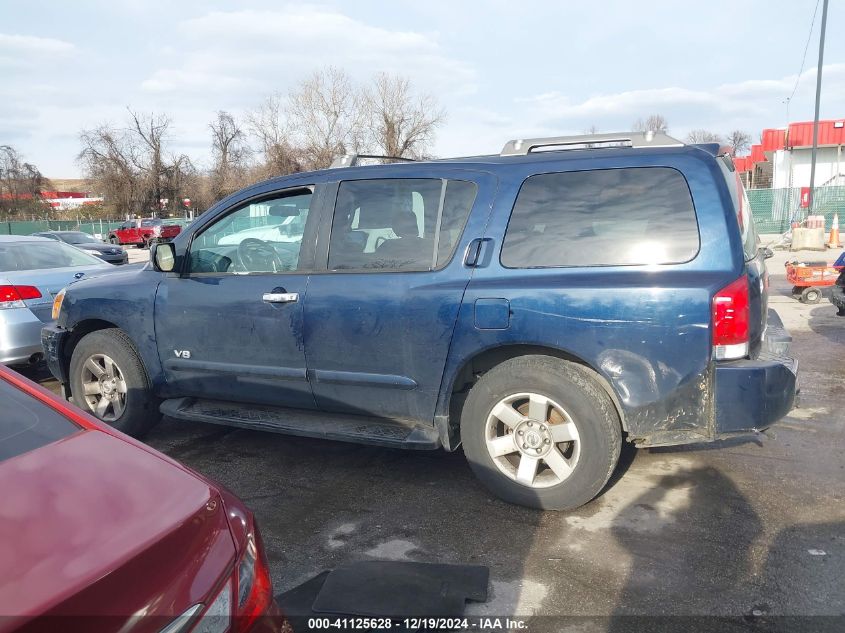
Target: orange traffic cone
x,y
834,242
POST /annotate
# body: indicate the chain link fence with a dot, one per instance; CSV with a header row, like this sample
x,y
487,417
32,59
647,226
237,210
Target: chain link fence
x,y
775,209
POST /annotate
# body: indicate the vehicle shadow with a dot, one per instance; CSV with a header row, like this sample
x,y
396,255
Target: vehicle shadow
x,y
824,321
689,539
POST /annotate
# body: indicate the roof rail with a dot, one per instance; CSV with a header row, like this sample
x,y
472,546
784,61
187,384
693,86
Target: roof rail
x,y
351,160
521,147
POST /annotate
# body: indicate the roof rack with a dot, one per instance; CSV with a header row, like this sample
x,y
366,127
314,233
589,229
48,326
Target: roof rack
x,y
521,147
351,160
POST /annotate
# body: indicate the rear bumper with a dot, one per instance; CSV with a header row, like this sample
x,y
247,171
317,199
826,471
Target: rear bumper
x,y
754,394
52,339
20,336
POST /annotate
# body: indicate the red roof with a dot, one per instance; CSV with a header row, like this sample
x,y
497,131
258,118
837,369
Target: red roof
x,y
831,132
801,134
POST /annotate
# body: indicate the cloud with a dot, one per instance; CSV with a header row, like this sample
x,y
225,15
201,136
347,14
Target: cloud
x,y
725,107
253,51
24,51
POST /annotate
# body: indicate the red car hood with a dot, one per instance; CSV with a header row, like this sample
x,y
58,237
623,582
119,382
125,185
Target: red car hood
x,y
94,525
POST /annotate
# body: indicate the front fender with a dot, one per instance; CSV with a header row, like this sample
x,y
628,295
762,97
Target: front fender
x,y
126,300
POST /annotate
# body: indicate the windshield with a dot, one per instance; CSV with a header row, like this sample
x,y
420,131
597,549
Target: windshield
x,y
77,238
16,256
27,424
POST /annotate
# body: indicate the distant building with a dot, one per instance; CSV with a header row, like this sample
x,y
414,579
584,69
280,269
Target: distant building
x,y
782,158
60,200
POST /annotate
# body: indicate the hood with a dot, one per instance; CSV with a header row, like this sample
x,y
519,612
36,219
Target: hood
x,y
85,517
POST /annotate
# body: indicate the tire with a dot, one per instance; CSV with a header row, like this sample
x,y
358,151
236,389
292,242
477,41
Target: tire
x,y
574,397
113,240
811,295
134,409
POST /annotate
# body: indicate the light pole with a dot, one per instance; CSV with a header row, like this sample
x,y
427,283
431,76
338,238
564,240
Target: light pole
x,y
818,99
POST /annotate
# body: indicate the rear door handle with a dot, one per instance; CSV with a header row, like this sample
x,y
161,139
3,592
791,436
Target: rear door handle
x,y
472,257
280,297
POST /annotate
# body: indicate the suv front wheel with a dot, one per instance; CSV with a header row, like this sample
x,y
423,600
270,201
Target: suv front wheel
x,y
541,432
108,380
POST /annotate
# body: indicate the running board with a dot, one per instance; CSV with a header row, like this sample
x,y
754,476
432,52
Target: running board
x,y
305,423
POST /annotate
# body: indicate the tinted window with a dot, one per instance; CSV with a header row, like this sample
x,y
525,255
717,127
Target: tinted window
x,y
27,424
602,218
262,237
42,255
398,224
151,222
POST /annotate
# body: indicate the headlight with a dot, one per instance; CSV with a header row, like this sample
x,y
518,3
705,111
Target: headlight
x,y
57,303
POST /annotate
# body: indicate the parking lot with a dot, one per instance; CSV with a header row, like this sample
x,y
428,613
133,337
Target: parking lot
x,y
760,520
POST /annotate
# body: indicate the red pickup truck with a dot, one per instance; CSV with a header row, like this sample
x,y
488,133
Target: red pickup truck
x,y
143,232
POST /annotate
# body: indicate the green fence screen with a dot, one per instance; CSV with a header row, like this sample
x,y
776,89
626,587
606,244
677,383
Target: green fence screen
x,y
774,209
93,227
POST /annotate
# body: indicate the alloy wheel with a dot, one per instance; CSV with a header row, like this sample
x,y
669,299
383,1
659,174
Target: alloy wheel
x,y
104,387
532,440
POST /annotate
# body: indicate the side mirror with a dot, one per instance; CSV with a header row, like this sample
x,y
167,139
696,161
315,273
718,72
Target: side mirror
x,y
768,253
163,256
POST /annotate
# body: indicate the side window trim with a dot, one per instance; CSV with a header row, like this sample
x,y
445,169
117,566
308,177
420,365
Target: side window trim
x,y
309,233
438,222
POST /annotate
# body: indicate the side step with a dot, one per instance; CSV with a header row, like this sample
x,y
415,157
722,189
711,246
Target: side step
x,y
305,423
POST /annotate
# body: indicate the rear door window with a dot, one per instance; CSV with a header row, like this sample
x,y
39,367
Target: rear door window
x,y
607,217
27,424
398,224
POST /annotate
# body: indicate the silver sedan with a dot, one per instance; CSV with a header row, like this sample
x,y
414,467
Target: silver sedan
x,y
32,271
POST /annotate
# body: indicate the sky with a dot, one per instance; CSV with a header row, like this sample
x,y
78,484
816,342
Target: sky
x,y
501,69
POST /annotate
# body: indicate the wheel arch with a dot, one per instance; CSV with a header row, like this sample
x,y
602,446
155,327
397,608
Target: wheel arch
x,y
79,331
453,394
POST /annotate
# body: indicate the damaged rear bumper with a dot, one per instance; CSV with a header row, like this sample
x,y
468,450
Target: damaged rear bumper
x,y
751,395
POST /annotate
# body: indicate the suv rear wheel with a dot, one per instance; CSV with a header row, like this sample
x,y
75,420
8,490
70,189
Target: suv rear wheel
x,y
108,380
541,432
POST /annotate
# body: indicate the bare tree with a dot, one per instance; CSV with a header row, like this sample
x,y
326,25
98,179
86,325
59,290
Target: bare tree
x,y
653,123
703,136
325,117
739,142
131,166
21,184
401,123
266,124
230,154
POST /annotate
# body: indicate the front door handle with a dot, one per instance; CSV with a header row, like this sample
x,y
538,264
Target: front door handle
x,y
280,297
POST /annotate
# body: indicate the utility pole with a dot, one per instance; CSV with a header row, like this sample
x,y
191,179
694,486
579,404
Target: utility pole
x,y
818,99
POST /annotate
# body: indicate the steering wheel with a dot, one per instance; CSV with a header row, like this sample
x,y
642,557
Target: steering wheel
x,y
256,255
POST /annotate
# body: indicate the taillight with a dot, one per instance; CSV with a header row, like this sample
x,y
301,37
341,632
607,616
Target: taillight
x,y
255,588
14,296
730,321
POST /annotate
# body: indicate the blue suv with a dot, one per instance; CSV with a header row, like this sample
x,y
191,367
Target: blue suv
x,y
534,307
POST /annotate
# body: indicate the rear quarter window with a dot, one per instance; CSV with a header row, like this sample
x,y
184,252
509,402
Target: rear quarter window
x,y
607,217
27,424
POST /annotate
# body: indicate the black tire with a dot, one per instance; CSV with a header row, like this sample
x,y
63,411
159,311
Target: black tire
x,y
113,240
589,406
141,411
811,295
